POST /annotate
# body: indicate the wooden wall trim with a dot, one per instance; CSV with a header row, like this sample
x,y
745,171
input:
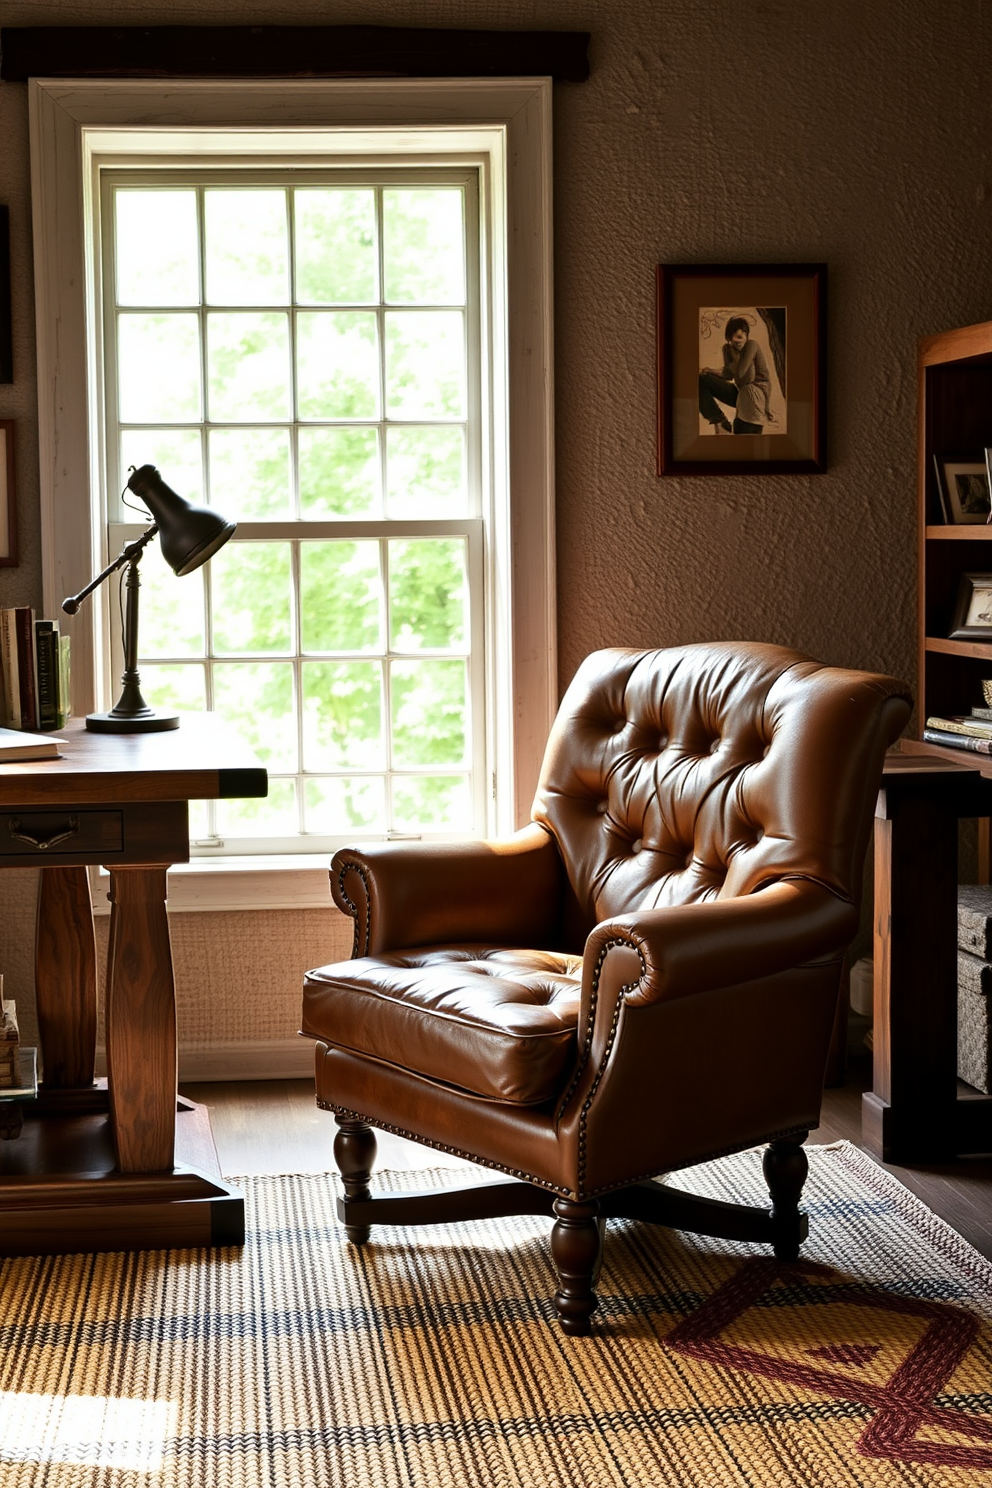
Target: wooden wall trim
x,y
288,51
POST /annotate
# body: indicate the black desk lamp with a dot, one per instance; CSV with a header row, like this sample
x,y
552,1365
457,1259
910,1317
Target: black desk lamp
x,y
189,535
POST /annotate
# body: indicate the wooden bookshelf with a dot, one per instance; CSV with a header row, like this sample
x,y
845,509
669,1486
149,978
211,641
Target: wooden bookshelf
x,y
955,420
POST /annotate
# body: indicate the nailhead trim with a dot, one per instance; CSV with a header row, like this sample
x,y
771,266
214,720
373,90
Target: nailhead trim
x,y
579,1195
587,1042
352,908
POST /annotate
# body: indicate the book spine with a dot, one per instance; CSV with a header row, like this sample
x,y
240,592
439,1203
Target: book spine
x,y
46,636
24,626
957,741
11,681
65,696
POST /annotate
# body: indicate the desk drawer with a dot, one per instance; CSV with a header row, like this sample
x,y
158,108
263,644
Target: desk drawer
x,y
55,833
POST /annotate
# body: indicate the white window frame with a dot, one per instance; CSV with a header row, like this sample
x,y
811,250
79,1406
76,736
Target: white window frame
x,y
505,124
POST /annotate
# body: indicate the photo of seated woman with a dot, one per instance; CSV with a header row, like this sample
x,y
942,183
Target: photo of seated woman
x,y
745,392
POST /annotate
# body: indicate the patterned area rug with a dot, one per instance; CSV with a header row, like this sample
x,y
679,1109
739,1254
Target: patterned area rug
x,y
430,1358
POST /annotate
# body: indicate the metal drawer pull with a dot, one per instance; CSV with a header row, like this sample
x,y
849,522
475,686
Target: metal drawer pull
x,y
14,828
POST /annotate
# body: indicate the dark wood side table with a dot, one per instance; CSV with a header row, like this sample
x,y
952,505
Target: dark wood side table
x,y
97,1165
914,1113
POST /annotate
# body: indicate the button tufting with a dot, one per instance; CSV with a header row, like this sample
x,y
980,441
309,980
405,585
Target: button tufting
x,y
636,845
602,807
759,834
620,725
689,857
715,745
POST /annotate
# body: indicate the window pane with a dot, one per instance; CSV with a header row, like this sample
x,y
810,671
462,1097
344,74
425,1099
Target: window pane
x,y
428,594
342,715
431,803
337,364
335,247
428,700
158,369
340,596
180,689
158,261
425,472
425,364
175,453
252,599
250,473
345,803
258,698
423,254
246,247
248,366
340,475
170,609
274,815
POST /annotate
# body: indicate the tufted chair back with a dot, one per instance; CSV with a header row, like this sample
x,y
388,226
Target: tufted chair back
x,y
682,775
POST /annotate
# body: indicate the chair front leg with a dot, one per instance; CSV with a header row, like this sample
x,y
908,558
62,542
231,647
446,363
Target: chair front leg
x,y
355,1149
576,1247
786,1166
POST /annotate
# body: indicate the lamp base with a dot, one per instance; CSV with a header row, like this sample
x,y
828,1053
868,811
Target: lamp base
x,y
119,723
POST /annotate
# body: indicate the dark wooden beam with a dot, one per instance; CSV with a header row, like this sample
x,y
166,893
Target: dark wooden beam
x,y
289,51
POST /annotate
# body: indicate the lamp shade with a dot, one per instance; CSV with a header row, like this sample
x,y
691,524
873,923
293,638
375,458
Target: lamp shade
x,y
188,535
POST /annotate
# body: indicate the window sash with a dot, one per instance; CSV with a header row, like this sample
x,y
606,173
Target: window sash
x,y
77,126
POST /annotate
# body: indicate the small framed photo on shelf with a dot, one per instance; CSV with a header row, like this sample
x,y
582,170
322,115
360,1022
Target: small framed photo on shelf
x,y
973,611
964,488
741,369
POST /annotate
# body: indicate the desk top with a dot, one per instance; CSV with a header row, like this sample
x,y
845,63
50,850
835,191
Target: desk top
x,y
203,759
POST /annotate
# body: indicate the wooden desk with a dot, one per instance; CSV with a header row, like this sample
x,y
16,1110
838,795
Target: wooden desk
x,y
96,1166
914,1113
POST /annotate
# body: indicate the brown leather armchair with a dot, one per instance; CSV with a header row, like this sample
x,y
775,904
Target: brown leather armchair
x,y
643,978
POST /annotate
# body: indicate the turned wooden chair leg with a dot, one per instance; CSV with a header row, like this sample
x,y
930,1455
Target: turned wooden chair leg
x,y
576,1247
355,1148
785,1167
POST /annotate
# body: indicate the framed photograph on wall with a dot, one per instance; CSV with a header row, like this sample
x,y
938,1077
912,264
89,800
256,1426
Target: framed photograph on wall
x,y
8,514
741,369
973,610
6,334
964,489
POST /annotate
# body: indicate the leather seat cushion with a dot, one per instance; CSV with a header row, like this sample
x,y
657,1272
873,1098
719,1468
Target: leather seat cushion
x,y
497,1023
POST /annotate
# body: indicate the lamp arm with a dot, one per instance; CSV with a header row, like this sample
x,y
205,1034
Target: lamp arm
x,y
128,552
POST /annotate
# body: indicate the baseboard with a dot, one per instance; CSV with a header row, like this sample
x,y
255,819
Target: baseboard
x,y
284,1059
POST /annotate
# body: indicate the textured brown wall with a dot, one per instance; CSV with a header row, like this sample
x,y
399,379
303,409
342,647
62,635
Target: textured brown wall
x,y
789,130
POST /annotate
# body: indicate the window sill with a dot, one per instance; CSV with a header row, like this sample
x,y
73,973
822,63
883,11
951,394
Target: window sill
x,y
236,884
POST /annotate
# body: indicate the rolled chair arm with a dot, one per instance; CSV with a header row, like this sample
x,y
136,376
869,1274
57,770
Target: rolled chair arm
x,y
736,987
690,948
405,894
665,955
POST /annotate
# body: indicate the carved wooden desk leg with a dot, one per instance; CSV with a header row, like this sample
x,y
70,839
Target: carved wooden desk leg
x,y
141,1022
65,979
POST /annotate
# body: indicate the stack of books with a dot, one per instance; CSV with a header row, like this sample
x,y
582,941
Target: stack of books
x,y
34,662
962,731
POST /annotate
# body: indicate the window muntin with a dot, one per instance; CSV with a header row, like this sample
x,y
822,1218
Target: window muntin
x,y
306,357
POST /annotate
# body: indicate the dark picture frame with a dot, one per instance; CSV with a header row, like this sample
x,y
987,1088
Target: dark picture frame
x,y
963,484
6,333
772,419
8,506
973,608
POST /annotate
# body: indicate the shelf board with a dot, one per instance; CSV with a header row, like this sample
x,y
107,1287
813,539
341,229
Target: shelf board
x,y
966,532
968,757
981,650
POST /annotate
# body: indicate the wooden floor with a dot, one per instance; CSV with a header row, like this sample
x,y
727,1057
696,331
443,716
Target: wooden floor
x,y
273,1126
